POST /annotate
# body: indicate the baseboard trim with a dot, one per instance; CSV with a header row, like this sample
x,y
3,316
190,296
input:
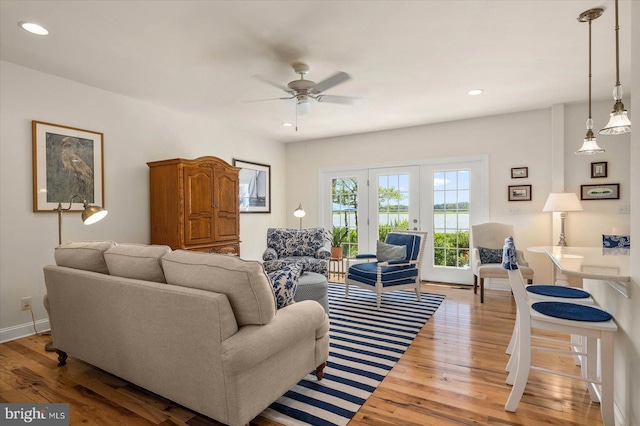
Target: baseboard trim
x,y
23,330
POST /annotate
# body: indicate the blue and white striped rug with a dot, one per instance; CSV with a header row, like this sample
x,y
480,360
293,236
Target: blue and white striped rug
x,y
365,344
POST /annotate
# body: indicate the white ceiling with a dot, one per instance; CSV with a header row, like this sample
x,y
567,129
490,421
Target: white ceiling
x,y
411,62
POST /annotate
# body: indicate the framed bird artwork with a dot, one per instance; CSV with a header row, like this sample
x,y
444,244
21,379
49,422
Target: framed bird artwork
x,y
67,162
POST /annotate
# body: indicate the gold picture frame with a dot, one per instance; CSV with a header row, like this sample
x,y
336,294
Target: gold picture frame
x,y
67,161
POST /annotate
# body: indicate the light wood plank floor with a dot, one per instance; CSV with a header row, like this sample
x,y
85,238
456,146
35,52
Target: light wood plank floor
x,y
453,374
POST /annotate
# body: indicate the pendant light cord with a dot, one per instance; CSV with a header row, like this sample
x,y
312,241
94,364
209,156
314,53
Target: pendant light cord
x,y
590,67
617,48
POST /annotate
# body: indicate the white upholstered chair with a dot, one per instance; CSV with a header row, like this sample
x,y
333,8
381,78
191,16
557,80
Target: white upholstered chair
x,y
489,238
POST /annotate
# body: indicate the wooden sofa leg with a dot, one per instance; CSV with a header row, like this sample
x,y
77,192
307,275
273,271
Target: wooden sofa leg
x,y
62,357
475,284
481,290
320,370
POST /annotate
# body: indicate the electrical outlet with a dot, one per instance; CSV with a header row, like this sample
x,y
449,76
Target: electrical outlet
x,y
624,209
25,303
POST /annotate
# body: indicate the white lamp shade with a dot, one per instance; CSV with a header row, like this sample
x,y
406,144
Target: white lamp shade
x,y
299,212
562,202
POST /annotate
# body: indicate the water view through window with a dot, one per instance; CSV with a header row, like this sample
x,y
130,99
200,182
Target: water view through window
x,y
451,218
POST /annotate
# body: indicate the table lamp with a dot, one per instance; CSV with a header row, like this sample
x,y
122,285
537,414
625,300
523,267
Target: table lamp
x,y
562,202
299,212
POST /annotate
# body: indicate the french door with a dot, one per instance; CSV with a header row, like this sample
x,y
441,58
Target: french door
x,y
455,197
370,203
394,202
441,197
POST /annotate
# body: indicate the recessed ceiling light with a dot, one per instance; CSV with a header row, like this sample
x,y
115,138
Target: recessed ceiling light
x,y
287,124
475,92
33,28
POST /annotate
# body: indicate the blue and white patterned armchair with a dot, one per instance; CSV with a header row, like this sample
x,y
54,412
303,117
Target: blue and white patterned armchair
x,y
304,246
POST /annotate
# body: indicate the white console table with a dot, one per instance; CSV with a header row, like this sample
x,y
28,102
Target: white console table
x,y
609,265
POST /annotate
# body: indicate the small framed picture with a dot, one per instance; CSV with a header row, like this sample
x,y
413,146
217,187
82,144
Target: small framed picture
x,y
599,170
519,192
609,191
519,172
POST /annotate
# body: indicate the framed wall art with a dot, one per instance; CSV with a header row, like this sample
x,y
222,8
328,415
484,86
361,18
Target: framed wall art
x,y
255,187
519,172
599,170
67,161
610,191
519,192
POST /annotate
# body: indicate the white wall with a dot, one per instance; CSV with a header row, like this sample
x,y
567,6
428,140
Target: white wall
x,y
134,133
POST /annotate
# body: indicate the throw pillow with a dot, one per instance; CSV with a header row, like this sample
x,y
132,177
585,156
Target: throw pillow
x,y
488,255
386,252
285,283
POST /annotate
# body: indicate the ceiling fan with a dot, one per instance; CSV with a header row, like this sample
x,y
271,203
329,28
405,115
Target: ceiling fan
x,y
303,91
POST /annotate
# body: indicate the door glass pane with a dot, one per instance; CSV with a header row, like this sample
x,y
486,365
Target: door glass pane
x,y
393,203
451,219
344,196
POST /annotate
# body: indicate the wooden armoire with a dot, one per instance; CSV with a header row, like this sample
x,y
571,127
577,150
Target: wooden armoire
x,y
194,205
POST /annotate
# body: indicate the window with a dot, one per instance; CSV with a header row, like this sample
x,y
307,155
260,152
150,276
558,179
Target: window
x,y
344,196
451,218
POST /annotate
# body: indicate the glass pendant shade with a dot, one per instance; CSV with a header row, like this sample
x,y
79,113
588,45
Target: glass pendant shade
x,y
589,147
619,122
589,144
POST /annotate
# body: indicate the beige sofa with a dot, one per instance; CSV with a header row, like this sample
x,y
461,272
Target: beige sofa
x,y
199,329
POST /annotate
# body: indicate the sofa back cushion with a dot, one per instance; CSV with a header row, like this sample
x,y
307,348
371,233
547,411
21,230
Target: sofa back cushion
x,y
295,242
88,255
243,282
137,261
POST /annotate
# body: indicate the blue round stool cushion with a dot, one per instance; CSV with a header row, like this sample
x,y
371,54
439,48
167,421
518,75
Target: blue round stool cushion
x,y
571,311
558,291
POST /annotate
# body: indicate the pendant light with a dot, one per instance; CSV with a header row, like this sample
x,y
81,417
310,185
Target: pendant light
x,y
589,145
618,123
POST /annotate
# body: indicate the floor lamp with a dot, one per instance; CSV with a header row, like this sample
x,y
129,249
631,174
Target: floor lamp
x,y
90,215
300,213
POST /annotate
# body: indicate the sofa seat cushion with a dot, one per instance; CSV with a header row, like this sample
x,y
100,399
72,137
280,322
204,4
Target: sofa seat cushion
x,y
244,282
87,256
285,284
137,261
391,275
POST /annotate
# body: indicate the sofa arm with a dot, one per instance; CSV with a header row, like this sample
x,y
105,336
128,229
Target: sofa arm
x,y
323,253
269,254
255,343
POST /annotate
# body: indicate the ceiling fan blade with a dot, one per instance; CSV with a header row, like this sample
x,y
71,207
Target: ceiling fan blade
x,y
347,100
271,83
264,100
334,80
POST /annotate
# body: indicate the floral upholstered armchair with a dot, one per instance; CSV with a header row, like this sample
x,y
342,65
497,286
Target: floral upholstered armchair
x,y
304,246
